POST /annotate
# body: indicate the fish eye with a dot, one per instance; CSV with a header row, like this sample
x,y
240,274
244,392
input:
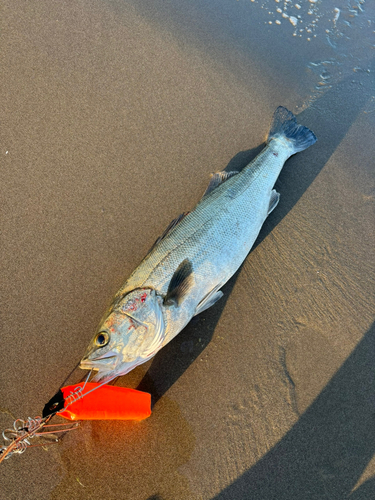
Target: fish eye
x,y
102,339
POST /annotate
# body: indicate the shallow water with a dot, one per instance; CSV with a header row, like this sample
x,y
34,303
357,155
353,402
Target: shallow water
x,y
114,114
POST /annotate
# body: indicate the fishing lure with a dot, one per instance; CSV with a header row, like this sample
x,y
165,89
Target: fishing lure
x,y
94,401
84,401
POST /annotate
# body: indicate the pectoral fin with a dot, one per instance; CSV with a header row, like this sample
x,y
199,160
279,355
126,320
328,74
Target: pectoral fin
x,y
209,300
275,197
180,284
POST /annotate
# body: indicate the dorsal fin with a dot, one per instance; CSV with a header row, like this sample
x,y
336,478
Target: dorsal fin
x,y
217,179
180,284
171,226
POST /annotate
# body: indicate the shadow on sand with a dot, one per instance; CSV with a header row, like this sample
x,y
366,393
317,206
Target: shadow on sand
x,y
330,118
323,456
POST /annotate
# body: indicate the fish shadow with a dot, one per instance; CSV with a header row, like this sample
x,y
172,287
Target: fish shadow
x,y
325,453
330,118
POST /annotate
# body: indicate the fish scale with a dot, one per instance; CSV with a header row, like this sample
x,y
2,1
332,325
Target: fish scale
x,y
195,257
220,231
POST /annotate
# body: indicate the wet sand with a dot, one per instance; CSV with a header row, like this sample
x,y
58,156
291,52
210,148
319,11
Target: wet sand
x,y
114,114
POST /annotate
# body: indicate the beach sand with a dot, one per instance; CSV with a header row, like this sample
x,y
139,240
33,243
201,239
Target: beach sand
x,y
113,114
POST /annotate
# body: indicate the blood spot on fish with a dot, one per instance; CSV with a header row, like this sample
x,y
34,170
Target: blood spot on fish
x,y
132,325
275,154
132,304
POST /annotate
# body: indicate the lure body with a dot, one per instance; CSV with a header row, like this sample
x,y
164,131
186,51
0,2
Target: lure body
x,y
105,403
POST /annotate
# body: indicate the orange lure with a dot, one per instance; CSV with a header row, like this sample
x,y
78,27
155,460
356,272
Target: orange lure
x,y
105,403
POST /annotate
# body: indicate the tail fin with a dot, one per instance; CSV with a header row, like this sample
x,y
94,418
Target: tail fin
x,y
285,128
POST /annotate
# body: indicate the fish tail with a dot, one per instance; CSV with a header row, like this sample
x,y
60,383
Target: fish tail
x,y
285,128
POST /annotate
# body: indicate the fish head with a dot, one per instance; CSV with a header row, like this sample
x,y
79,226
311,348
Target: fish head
x,y
130,334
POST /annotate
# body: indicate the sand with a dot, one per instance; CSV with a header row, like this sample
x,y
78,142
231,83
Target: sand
x,y
113,115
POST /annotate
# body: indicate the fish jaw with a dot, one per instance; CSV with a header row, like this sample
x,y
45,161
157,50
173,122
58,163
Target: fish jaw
x,y
108,365
110,370
107,361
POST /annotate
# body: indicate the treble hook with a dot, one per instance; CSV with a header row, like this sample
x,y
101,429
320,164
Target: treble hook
x,y
18,438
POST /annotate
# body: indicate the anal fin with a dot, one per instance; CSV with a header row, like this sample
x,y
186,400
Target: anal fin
x,y
275,197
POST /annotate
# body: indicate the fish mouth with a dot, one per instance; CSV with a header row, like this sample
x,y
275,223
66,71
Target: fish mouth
x,y
106,372
107,361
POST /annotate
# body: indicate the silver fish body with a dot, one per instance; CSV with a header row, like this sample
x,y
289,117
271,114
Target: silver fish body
x,y
183,273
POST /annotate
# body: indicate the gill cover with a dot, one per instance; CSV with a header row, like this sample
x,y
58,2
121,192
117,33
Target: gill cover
x,y
143,308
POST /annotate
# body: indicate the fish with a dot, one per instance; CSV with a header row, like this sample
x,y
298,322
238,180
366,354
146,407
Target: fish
x,y
182,274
